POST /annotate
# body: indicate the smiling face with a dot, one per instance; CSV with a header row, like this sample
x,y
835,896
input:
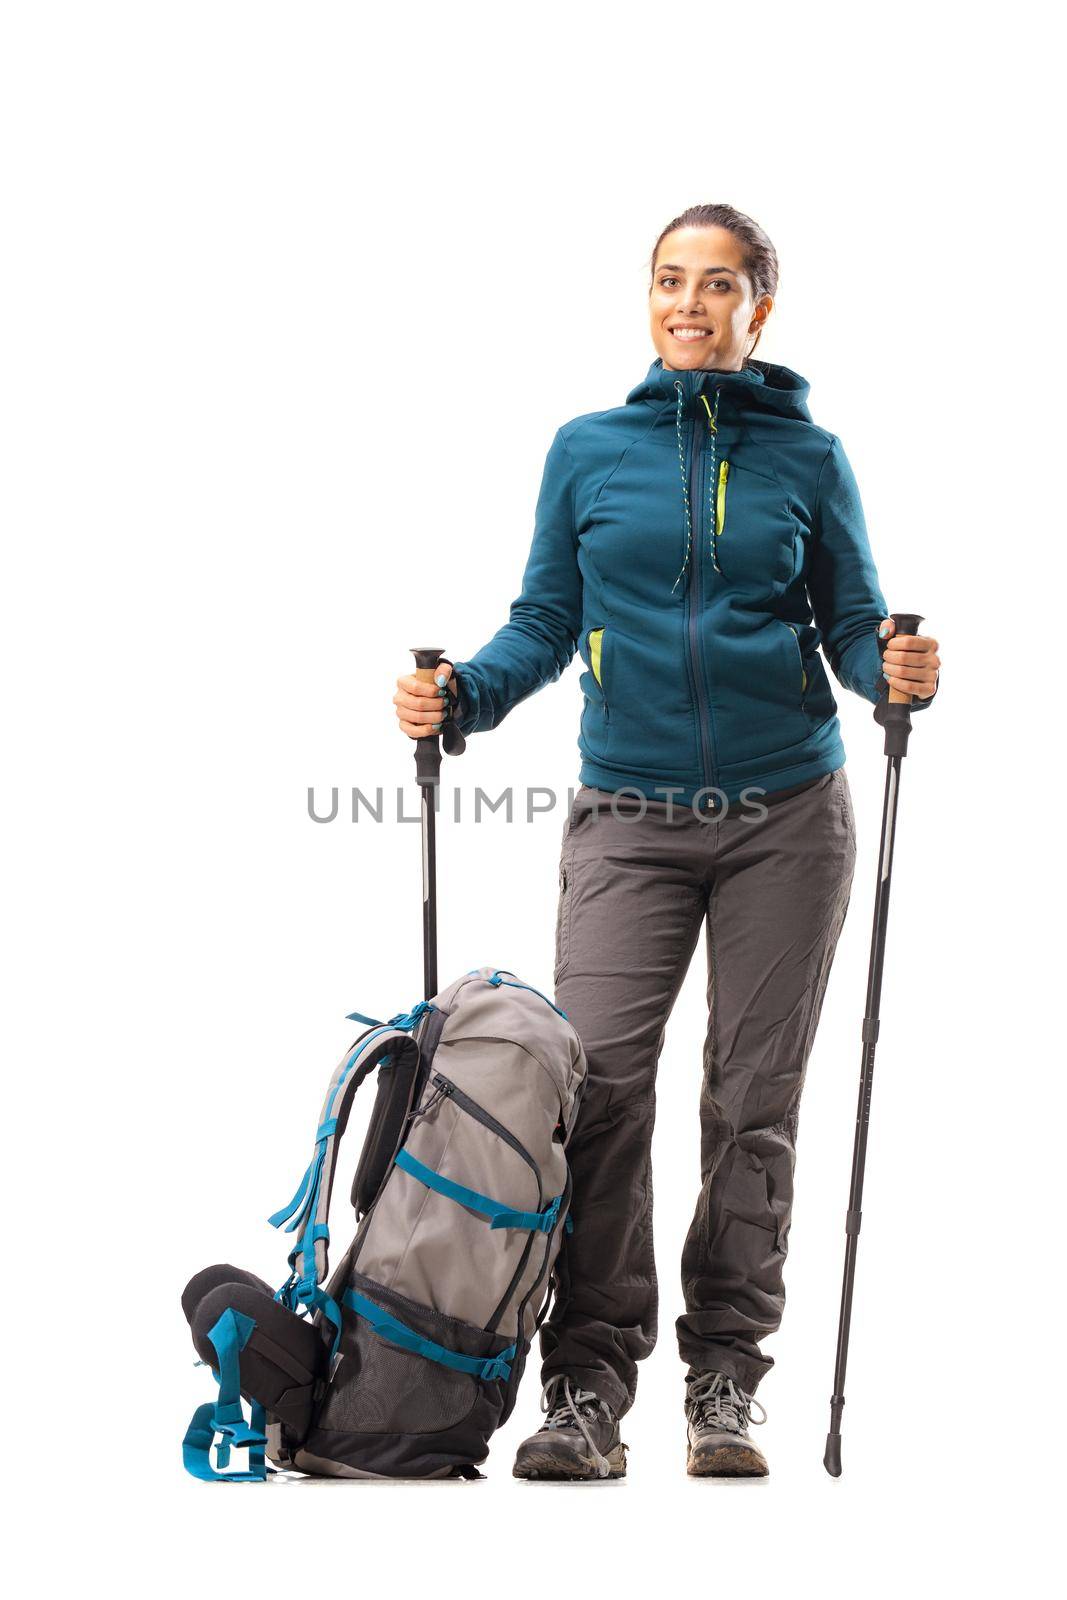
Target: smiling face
x,y
701,308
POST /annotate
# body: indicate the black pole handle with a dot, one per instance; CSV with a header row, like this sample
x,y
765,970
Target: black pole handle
x,y
428,747
894,713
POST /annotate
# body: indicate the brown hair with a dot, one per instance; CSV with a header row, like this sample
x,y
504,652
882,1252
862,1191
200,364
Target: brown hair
x,y
758,255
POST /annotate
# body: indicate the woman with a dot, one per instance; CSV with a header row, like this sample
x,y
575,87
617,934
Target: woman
x,y
696,545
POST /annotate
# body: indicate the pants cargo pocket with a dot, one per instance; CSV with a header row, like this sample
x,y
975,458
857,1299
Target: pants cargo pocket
x,y
844,795
563,914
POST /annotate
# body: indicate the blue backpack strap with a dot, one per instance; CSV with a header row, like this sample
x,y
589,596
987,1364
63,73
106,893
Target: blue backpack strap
x,y
397,1332
307,1213
497,1214
225,1415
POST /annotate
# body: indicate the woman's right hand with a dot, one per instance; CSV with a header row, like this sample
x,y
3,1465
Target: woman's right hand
x,y
421,707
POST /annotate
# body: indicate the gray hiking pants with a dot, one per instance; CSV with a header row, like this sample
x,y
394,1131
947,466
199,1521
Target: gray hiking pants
x,y
634,891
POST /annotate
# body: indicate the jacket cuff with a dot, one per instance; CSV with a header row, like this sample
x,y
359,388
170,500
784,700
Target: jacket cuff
x,y
870,682
466,712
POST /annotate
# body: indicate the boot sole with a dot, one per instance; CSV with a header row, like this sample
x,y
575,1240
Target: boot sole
x,y
727,1462
545,1467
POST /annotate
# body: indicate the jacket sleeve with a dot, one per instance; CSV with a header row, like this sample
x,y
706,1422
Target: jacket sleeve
x,y
846,599
540,637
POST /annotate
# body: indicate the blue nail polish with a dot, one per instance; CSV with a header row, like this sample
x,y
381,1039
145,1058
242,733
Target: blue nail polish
x,y
440,678
885,675
883,631
436,725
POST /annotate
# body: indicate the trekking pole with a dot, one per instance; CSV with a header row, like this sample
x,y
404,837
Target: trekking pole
x,y
428,777
896,719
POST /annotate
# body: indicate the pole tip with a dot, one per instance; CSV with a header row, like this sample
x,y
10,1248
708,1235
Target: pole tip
x,y
832,1458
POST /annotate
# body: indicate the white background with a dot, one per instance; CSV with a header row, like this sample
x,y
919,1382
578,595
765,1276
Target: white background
x,y
296,297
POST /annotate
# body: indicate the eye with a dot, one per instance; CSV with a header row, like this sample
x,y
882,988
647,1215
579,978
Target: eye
x,y
665,282
721,283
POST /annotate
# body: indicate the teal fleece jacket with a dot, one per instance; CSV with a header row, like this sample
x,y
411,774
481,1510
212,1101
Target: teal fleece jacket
x,y
697,546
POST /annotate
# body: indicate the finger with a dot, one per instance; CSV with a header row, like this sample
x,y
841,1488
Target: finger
x,y
420,713
887,628
420,729
909,673
416,686
930,666
924,660
921,688
912,642
432,703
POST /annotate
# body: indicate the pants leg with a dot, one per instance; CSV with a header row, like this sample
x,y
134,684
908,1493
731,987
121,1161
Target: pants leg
x,y
779,895
631,905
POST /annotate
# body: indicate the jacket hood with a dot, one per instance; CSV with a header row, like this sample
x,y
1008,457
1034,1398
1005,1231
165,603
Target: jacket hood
x,y
758,386
761,385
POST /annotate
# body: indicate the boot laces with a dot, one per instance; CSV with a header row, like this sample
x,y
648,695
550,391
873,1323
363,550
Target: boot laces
x,y
716,1401
568,1406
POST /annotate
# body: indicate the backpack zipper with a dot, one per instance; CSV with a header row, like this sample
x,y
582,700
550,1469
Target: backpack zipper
x,y
479,1113
492,1038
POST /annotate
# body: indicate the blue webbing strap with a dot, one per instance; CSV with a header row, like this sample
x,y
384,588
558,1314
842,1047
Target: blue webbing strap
x,y
405,1020
498,978
302,1292
387,1327
500,1216
225,1416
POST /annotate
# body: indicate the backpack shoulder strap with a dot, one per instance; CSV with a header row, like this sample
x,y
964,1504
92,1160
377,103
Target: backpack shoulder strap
x,y
307,1214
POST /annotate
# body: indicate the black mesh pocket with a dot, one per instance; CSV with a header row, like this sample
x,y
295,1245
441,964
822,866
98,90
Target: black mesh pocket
x,y
380,1388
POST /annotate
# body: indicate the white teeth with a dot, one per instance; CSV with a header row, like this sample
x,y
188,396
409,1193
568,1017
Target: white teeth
x,y
690,333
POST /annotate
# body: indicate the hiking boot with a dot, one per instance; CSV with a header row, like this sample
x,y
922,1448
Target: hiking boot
x,y
719,1413
579,1437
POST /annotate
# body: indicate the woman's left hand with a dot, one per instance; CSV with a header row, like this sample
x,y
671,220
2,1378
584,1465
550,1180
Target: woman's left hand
x,y
910,663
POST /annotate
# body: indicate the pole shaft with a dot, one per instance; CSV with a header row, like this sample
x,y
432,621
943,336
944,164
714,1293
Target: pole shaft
x,y
429,891
428,778
871,1022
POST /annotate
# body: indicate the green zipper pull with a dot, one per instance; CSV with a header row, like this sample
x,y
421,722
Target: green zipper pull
x,y
720,498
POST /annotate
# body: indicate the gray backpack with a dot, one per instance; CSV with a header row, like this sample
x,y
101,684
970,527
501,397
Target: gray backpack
x,y
406,1359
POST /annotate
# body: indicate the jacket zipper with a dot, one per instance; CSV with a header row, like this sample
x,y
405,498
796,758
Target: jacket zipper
x,y
473,1109
695,601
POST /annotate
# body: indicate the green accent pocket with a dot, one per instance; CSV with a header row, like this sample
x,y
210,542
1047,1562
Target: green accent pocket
x,y
595,637
800,655
720,497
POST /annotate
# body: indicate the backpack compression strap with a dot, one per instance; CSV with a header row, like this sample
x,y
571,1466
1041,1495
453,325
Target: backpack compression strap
x,y
225,1416
307,1213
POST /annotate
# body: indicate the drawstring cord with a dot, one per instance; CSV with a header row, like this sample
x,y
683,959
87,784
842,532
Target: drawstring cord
x,y
713,420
